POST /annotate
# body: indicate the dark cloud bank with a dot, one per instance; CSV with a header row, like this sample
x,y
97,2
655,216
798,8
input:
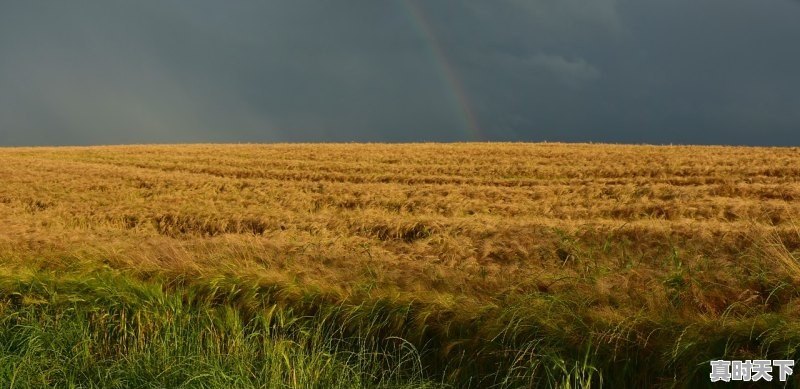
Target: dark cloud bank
x,y
653,71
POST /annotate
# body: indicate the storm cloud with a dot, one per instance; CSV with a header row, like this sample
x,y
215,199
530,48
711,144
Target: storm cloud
x,y
640,71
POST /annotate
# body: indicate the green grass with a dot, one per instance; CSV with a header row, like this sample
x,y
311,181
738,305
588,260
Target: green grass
x,y
109,331
104,329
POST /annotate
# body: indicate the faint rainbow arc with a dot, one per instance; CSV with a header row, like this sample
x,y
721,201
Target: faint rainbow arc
x,y
450,76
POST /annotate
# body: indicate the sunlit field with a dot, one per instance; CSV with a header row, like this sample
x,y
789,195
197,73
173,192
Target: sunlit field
x,y
372,265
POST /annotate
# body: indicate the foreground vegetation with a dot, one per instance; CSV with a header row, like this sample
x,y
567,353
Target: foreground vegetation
x,y
482,265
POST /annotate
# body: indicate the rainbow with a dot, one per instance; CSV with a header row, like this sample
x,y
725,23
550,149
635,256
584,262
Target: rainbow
x,y
448,74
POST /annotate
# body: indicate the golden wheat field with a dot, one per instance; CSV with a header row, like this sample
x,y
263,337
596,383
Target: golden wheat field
x,y
669,255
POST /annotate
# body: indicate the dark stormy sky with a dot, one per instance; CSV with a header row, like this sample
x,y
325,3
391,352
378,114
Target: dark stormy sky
x,y
638,71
